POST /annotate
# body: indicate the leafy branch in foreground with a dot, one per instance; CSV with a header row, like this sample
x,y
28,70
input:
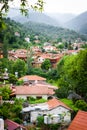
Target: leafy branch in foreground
x,y
24,7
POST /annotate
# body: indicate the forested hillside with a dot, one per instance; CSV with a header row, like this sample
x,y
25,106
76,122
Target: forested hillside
x,y
14,34
78,23
53,33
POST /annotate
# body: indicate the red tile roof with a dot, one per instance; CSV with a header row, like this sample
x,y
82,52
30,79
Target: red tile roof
x,y
13,125
79,122
53,103
32,77
33,90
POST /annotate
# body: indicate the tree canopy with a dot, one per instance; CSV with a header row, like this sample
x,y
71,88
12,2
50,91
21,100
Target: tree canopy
x,y
73,73
24,6
46,65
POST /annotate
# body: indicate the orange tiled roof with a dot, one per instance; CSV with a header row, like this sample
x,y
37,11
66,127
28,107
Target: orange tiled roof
x,y
32,77
50,56
79,122
53,103
33,90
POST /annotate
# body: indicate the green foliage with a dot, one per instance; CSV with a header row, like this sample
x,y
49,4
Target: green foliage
x,y
40,121
73,73
29,60
70,104
13,66
34,101
23,7
12,79
8,38
84,46
48,33
4,63
38,71
5,44
18,120
46,65
18,101
5,110
17,108
19,82
81,104
5,92
53,126
61,46
61,92
52,74
12,111
20,67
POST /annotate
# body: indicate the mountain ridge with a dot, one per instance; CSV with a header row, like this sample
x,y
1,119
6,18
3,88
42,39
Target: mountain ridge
x,y
70,21
78,22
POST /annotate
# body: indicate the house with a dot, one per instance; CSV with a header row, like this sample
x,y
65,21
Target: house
x,y
10,125
32,78
17,34
35,91
79,122
1,124
52,108
49,48
56,107
18,54
54,58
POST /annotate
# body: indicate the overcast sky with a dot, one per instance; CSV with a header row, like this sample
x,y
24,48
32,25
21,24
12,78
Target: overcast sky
x,y
66,6
63,6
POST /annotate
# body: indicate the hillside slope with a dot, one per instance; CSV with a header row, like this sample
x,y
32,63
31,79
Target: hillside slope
x,y
78,22
33,16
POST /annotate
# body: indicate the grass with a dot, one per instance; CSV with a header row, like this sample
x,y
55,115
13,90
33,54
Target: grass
x,y
53,82
34,101
69,103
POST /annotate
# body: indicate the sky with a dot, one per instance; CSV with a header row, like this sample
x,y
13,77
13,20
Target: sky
x,y
66,6
63,6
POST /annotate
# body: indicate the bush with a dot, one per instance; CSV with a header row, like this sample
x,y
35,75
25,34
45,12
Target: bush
x,y
33,100
40,121
17,120
19,82
12,78
81,104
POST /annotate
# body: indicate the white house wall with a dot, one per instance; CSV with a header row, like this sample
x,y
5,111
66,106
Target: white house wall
x,y
55,111
61,110
41,59
34,96
58,110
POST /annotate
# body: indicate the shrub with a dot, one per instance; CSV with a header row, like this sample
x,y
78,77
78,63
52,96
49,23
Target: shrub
x,y
17,120
81,104
40,121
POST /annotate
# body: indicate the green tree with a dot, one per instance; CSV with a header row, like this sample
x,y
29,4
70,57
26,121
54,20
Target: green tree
x,y
5,44
5,110
53,74
29,60
61,46
74,73
40,121
59,40
12,79
20,67
5,92
81,104
46,65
